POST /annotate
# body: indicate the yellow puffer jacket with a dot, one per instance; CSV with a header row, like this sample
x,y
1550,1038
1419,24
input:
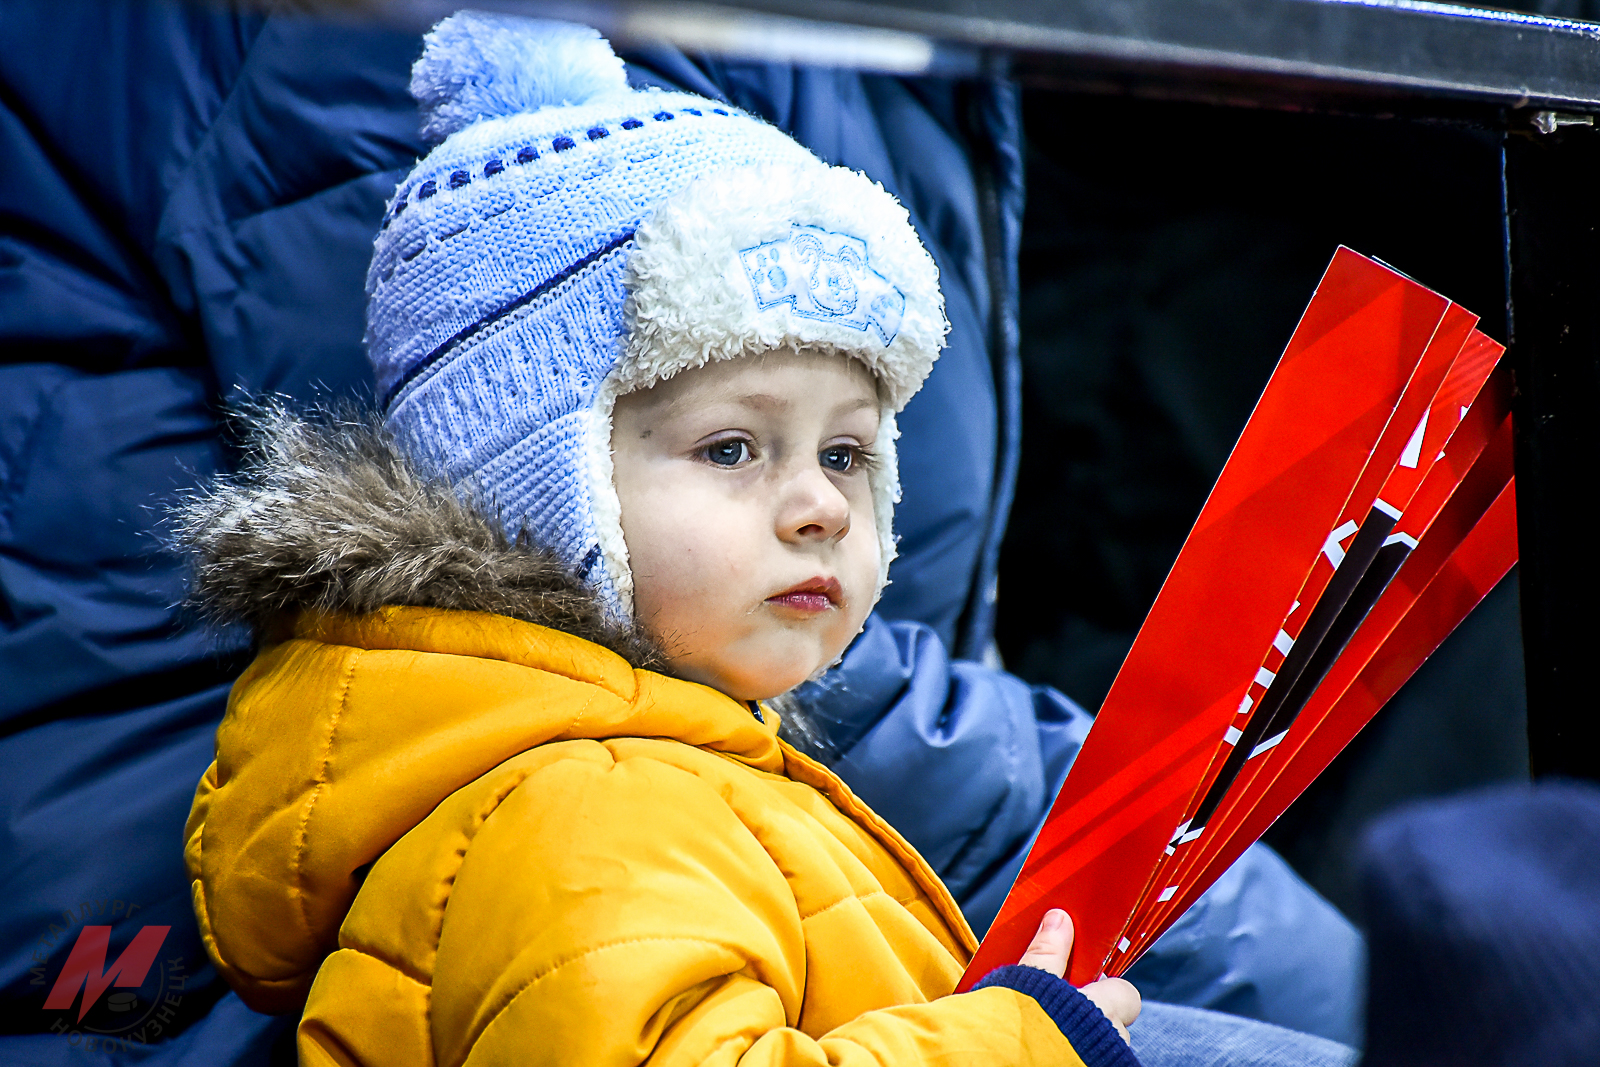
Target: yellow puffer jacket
x,y
520,850
462,831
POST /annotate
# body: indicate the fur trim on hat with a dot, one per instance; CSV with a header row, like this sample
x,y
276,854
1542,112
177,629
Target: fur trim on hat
x,y
755,258
328,515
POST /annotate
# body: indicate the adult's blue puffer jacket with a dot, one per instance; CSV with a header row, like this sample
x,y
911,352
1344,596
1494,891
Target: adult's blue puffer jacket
x,y
187,202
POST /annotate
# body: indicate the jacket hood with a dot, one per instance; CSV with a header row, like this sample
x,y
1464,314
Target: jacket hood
x,y
327,515
407,648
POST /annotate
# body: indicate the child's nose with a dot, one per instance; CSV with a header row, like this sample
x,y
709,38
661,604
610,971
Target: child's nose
x,y
814,509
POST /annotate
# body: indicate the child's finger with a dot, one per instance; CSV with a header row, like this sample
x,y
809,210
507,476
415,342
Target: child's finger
x,y
1051,944
1117,998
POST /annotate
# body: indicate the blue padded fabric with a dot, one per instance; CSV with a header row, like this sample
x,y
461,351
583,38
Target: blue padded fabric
x,y
191,214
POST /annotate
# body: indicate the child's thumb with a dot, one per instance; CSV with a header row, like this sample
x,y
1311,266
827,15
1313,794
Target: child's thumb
x,y
1051,945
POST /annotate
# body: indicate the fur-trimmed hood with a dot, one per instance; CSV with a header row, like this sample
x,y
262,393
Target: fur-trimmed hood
x,y
326,514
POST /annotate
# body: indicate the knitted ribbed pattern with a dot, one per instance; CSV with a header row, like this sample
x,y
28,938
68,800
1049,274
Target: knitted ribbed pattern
x,y
508,204
1081,1022
502,293
1483,921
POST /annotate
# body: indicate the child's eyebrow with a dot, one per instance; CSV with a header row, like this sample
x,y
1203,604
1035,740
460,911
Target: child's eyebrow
x,y
759,401
861,403
769,402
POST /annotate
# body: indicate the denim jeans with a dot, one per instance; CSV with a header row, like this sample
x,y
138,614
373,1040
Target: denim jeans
x,y
1167,1035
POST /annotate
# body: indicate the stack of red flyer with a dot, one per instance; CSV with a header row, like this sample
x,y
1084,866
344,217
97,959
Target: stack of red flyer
x,y
1365,511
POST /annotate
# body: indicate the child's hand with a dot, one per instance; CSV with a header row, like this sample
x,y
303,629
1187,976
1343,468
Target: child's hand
x,y
1114,996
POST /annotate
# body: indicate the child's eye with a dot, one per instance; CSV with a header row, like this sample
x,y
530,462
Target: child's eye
x,y
728,453
840,458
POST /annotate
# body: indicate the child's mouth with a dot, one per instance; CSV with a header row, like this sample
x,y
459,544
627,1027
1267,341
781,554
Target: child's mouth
x,y
811,597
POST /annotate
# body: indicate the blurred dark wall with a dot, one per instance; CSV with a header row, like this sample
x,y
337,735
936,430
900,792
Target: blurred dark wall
x,y
1169,249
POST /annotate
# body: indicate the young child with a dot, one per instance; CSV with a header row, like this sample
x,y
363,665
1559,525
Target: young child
x,y
500,786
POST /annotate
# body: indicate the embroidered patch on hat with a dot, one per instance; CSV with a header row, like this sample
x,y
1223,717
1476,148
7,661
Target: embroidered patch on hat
x,y
824,276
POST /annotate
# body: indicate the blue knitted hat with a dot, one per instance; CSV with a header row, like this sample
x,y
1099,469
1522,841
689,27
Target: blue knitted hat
x,y
572,240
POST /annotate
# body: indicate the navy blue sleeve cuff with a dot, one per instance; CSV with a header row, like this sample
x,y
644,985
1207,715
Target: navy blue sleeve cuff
x,y
1093,1038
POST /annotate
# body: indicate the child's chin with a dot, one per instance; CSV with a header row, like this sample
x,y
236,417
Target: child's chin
x,y
758,667
764,684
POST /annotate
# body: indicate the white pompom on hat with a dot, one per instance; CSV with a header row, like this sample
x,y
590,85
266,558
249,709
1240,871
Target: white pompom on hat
x,y
571,240
479,65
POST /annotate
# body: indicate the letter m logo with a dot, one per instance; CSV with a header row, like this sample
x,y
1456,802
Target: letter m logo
x,y
86,966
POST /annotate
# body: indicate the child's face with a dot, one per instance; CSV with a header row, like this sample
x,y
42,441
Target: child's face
x,y
747,512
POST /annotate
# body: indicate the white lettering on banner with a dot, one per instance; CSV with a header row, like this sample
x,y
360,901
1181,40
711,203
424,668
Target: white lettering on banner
x,y
1269,743
1413,453
1332,548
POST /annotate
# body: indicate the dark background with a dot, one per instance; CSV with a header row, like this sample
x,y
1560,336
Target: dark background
x,y
1169,249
